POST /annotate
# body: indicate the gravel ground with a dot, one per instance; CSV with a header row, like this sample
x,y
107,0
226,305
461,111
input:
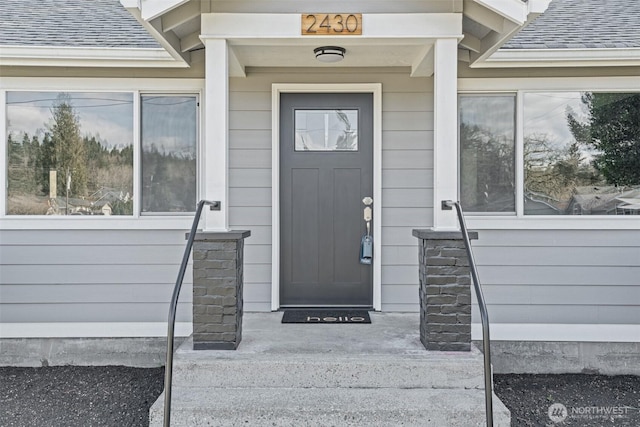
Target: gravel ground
x,y
588,400
65,396
121,396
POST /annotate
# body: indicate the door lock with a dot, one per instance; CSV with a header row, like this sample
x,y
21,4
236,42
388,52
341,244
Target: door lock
x,y
367,201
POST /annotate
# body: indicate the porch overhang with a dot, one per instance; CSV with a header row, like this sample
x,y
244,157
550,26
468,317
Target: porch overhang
x,y
394,34
275,40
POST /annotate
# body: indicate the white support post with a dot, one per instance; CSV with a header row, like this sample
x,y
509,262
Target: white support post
x,y
216,133
445,149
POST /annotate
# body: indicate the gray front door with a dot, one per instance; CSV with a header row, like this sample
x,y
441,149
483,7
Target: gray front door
x,y
326,170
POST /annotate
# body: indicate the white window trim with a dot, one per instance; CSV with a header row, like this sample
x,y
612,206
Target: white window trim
x,y
136,87
565,84
376,90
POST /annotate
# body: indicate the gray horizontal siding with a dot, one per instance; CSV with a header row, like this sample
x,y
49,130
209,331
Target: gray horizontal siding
x,y
132,237
562,313
407,163
91,275
560,276
534,274
407,188
87,273
92,312
50,254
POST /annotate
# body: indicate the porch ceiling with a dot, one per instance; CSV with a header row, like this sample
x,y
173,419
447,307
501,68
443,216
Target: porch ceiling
x,y
373,53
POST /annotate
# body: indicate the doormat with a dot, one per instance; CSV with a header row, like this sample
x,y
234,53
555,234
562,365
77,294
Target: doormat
x,y
333,316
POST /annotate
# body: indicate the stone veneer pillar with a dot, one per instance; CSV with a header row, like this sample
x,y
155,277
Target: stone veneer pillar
x,y
445,290
217,289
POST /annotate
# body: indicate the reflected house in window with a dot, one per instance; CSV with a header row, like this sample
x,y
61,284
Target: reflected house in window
x,y
102,202
604,201
539,204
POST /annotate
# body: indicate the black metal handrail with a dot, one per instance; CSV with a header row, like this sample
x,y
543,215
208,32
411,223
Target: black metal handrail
x,y
484,316
168,369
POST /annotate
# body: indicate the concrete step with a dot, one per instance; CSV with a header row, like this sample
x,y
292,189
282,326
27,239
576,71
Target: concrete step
x,y
322,375
328,407
431,370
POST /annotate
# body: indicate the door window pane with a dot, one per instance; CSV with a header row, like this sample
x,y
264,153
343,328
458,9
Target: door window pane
x,y
487,155
581,153
326,130
69,153
169,138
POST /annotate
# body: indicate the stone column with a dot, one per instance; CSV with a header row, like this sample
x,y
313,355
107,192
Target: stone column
x,y
217,289
445,290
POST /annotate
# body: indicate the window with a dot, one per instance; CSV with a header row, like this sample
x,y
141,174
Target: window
x,y
487,150
169,125
72,153
326,130
69,153
580,153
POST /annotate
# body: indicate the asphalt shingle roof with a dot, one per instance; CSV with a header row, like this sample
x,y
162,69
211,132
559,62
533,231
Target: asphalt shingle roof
x,y
567,24
582,24
78,23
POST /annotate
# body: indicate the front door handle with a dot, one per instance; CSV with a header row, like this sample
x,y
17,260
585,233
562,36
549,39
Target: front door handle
x,y
366,244
368,213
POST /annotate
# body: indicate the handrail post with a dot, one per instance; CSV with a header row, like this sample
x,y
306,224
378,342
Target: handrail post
x,y
484,316
168,369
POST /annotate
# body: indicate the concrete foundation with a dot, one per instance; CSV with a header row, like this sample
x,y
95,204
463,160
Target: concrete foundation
x,y
35,352
539,357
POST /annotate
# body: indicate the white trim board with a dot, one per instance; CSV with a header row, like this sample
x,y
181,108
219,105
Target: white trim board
x,y
376,90
564,84
69,56
92,330
559,332
521,58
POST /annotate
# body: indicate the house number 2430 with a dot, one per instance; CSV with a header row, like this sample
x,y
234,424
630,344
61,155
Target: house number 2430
x,y
322,24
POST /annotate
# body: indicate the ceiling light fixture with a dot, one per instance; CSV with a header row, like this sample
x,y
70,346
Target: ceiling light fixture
x,y
329,53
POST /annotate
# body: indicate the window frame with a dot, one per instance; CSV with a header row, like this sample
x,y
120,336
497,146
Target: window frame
x,y
138,88
520,86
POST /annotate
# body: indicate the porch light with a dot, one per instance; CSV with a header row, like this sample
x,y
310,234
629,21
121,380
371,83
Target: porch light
x,y
329,53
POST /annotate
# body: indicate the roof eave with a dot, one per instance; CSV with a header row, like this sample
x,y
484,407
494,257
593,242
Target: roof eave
x,y
111,57
515,15
587,57
149,15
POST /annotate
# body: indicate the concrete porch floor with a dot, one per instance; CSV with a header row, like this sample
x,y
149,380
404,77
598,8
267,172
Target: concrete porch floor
x,y
387,334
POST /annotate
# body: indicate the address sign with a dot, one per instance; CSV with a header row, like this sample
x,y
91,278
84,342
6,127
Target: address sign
x,y
331,24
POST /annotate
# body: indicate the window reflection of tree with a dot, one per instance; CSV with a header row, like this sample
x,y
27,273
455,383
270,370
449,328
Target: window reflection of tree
x,y
347,140
492,184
